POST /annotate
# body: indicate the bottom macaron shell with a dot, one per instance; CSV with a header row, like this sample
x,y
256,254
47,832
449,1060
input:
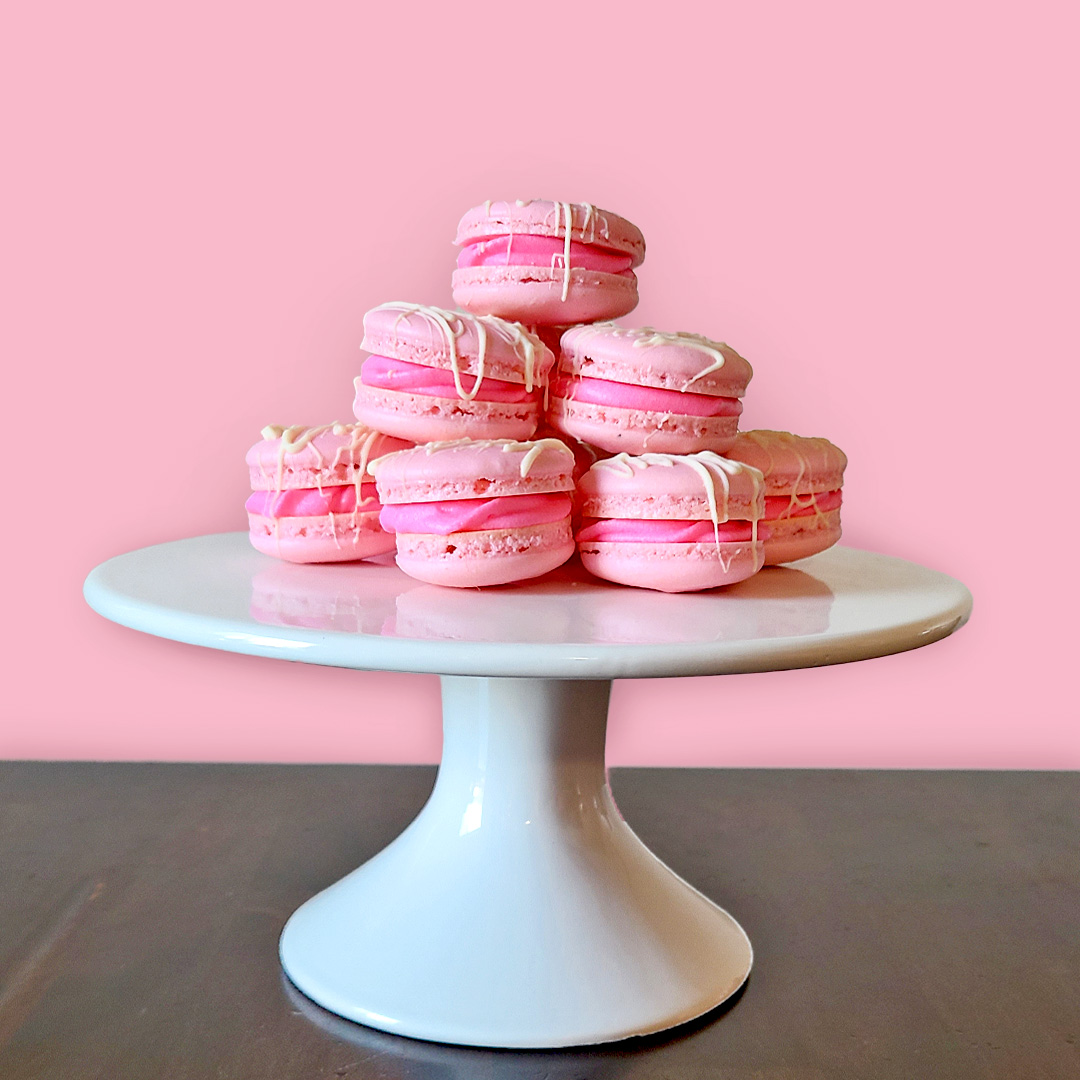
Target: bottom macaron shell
x,y
422,418
800,537
534,294
330,538
491,557
636,431
672,567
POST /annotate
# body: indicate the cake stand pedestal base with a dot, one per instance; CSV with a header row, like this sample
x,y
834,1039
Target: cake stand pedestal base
x,y
518,909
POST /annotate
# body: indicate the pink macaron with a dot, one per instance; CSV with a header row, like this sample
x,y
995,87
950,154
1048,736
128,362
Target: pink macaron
x,y
311,499
547,263
637,390
677,523
438,375
803,478
470,513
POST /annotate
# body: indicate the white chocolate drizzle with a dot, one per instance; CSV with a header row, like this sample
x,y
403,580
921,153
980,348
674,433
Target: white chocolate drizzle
x,y
568,231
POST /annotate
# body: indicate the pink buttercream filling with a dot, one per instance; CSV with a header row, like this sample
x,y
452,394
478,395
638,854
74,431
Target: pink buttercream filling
x,y
781,506
527,250
386,373
647,398
474,515
311,502
663,531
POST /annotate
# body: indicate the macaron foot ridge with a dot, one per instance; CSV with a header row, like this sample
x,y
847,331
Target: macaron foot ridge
x,y
635,431
489,557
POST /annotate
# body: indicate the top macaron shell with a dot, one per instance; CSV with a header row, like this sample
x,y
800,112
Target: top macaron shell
x,y
474,469
791,462
291,458
647,357
701,382
560,293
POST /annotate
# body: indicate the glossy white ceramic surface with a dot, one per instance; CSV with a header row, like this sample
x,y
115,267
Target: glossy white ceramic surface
x,y
518,909
217,591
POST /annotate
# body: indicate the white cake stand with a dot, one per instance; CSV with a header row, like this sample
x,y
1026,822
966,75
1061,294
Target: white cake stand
x,y
518,909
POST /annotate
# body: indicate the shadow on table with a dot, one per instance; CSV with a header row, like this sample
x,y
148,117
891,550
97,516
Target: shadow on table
x,y
401,1058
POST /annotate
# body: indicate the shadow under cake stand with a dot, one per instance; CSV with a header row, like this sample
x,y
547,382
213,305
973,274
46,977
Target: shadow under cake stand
x,y
518,909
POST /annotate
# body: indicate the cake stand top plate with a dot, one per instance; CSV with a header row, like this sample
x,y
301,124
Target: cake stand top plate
x,y
217,591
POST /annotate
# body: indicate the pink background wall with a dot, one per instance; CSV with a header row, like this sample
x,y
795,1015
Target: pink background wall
x,y
875,204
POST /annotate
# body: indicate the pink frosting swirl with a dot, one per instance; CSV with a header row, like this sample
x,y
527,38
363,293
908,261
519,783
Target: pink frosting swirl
x,y
386,373
311,502
664,531
474,515
528,250
647,398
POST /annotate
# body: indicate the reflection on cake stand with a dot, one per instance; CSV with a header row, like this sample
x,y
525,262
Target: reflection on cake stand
x,y
519,909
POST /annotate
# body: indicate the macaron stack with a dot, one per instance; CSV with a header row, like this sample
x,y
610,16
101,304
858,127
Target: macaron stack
x,y
502,436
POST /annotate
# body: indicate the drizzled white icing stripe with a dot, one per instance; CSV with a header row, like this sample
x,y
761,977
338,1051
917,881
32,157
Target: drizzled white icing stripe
x,y
568,230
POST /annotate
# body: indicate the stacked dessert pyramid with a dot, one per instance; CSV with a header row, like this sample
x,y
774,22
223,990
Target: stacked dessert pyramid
x,y
495,441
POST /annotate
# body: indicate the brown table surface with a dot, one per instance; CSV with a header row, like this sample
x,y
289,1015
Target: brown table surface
x,y
905,924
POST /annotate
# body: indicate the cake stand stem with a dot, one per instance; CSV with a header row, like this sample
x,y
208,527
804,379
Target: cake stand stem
x,y
518,909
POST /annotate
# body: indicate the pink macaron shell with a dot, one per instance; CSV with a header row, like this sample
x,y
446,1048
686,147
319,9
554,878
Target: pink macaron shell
x,y
535,294
469,469
313,457
637,431
422,418
791,464
672,487
328,538
487,557
646,357
543,217
672,568
436,337
795,538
